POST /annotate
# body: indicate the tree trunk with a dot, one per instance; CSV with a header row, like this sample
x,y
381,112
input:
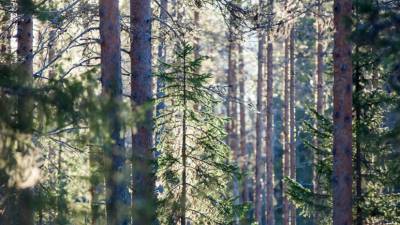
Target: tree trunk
x,y
118,199
342,115
141,91
286,163
319,98
183,151
268,136
358,159
259,165
292,121
24,211
243,151
5,39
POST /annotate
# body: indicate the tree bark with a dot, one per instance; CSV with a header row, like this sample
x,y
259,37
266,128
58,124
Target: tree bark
x,y
259,165
243,151
286,163
270,218
24,204
118,199
342,115
292,107
141,91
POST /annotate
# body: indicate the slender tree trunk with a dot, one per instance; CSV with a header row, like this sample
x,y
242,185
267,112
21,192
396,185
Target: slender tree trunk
x,y
183,150
118,199
233,112
141,91
268,137
342,115
259,164
243,151
95,185
292,121
319,98
162,57
196,18
24,211
286,163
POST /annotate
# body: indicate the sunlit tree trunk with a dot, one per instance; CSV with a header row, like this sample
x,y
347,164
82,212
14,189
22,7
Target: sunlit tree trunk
x,y
270,218
342,115
286,127
259,165
118,199
183,200
51,45
292,107
5,38
319,96
141,91
24,213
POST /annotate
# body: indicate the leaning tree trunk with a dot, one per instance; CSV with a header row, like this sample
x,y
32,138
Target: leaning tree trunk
x,y
270,218
342,115
292,121
118,199
286,163
259,165
141,91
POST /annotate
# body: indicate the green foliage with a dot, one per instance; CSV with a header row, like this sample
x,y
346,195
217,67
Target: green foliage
x,y
190,106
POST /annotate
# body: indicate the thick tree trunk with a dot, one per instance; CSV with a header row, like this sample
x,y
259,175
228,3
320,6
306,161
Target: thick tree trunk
x,y
342,115
286,154
319,97
268,137
292,121
259,165
118,199
141,91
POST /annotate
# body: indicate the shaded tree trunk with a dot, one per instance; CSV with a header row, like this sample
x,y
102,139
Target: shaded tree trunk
x,y
141,91
292,107
243,151
286,163
270,218
342,115
319,97
118,199
24,213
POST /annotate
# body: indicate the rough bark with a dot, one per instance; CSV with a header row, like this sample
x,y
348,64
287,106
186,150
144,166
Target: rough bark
x,y
342,115
292,107
259,164
118,199
286,163
268,136
141,91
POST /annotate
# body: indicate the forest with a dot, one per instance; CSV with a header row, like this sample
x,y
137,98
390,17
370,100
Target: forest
x,y
199,112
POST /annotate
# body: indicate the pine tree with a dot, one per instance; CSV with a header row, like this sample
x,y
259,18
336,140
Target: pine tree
x,y
342,115
194,168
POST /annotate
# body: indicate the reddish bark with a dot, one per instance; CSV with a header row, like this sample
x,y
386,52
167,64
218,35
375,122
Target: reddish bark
x,y
342,115
141,92
118,200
